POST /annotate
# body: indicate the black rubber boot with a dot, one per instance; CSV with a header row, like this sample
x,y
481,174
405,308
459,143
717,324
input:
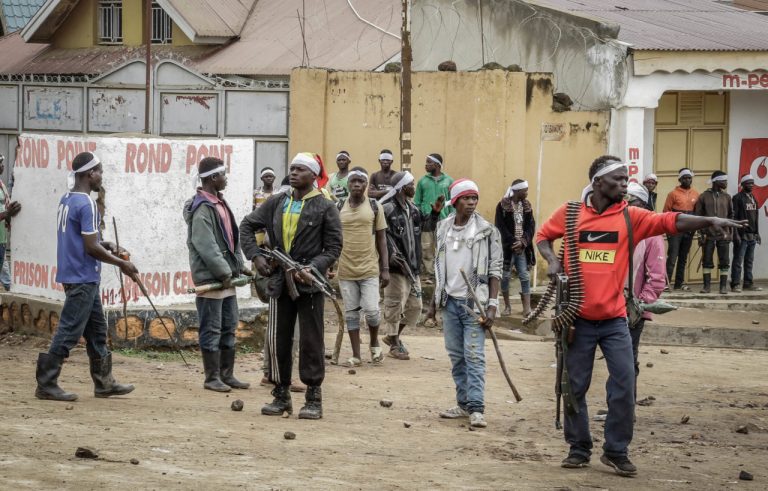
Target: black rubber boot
x,y
213,373
723,284
227,363
313,408
48,370
281,404
707,283
103,381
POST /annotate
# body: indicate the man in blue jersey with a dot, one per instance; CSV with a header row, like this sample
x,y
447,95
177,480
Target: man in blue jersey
x,y
80,253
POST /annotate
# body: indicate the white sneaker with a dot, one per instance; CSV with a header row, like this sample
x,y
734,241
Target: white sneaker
x,y
455,412
477,420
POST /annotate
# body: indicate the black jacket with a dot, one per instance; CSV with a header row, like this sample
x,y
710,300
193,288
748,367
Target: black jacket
x,y
745,208
399,233
505,222
317,242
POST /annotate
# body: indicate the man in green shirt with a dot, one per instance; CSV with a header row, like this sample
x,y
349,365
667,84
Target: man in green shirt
x,y
432,185
8,209
338,184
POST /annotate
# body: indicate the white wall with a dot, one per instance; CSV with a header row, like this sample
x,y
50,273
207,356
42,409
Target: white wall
x,y
749,119
146,197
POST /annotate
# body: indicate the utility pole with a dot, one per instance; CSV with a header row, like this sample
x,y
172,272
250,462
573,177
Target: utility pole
x,y
148,61
406,57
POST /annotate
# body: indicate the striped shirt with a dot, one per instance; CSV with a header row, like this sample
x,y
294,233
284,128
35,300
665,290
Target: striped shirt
x,y
77,216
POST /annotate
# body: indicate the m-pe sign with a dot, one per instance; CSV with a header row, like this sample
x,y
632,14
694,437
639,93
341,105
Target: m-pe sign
x,y
754,160
146,182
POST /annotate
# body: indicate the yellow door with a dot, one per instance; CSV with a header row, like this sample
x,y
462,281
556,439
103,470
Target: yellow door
x,y
691,130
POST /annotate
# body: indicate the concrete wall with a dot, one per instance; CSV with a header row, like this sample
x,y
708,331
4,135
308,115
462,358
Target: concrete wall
x,y
749,121
589,65
486,125
146,182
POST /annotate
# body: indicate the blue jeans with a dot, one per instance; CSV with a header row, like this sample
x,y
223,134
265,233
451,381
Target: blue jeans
x,y
744,252
5,275
81,316
612,335
218,321
465,343
521,265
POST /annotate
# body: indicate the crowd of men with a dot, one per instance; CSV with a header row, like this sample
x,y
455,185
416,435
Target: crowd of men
x,y
373,233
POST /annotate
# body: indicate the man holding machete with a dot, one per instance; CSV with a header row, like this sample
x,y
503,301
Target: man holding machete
x,y
79,254
466,242
214,256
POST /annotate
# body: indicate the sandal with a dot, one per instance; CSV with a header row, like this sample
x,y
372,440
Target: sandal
x,y
377,356
353,362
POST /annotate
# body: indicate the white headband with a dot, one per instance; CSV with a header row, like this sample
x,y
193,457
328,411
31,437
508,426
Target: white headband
x,y
603,171
71,175
724,177
651,177
342,154
685,172
515,187
435,160
746,178
404,181
385,156
638,191
306,160
463,187
267,171
211,172
357,173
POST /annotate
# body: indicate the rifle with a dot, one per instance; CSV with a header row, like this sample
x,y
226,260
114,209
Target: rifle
x,y
239,281
399,260
318,280
563,337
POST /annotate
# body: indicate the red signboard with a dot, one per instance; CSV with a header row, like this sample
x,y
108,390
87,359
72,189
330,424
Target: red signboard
x,y
754,160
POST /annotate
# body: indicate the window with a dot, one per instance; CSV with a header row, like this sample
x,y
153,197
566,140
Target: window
x,y
110,21
161,25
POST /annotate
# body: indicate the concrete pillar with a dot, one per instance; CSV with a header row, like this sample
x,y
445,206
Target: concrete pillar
x,y
630,139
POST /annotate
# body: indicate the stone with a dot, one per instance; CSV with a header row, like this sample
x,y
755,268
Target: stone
x,y
664,352
135,461
602,411
743,430
385,403
649,364
69,407
755,323
351,371
86,453
289,435
745,476
406,424
684,420
447,66
237,405
645,402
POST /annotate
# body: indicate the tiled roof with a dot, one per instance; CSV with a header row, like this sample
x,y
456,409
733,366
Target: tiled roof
x,y
18,12
683,25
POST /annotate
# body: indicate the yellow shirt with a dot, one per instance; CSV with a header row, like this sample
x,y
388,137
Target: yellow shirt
x,y
291,214
359,258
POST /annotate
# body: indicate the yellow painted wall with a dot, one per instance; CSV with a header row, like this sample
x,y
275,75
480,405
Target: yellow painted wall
x,y
485,124
80,29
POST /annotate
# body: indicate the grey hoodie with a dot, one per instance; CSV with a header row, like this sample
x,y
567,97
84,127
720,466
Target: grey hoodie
x,y
211,257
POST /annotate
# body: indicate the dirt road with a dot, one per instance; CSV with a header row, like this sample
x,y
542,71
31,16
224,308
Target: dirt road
x,y
188,438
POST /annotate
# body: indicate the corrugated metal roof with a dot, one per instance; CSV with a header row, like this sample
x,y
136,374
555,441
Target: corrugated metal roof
x,y
211,18
271,41
18,12
695,25
20,58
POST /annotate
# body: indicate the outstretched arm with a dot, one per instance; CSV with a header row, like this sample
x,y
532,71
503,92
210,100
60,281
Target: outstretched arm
x,y
691,223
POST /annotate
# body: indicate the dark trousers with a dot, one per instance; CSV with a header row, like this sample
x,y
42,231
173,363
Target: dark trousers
x,y
81,316
744,252
218,321
677,252
612,335
635,334
282,319
723,255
